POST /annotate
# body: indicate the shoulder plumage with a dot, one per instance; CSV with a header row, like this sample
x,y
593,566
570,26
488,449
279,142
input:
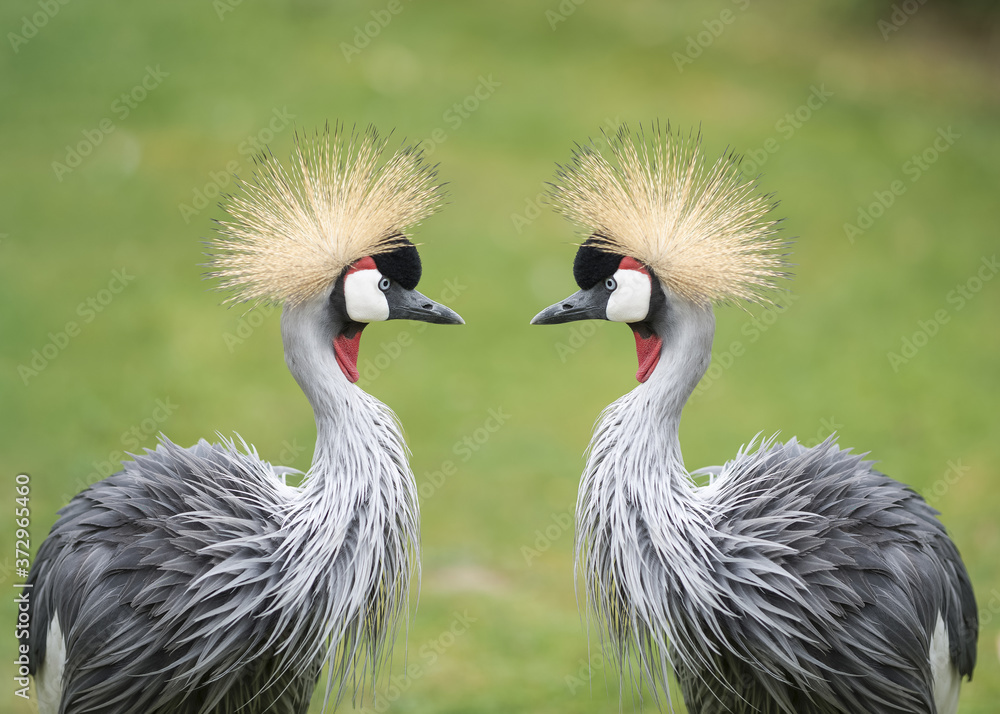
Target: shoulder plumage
x,y
292,232
704,230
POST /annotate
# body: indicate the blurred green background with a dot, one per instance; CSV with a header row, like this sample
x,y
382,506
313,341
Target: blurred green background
x,y
876,127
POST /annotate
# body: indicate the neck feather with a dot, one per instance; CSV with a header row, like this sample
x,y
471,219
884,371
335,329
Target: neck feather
x,y
307,332
642,531
353,529
654,408
360,453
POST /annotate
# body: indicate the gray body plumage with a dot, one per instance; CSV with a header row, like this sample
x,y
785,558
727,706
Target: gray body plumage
x,y
797,581
119,569
195,581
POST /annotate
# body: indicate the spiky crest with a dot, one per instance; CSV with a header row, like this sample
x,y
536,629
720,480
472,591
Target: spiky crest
x,y
292,232
703,230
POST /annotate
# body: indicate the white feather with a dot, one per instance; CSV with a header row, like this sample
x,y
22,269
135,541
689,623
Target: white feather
x,y
947,680
630,300
49,678
365,302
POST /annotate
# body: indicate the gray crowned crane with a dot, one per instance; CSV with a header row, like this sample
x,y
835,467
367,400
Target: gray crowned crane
x,y
796,580
195,581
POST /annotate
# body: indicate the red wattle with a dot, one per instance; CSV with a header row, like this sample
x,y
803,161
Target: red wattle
x,y
346,350
647,349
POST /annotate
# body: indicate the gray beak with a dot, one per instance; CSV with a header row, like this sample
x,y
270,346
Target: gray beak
x,y
589,304
411,305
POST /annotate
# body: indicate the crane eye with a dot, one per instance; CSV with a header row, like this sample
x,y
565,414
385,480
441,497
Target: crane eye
x,y
384,284
610,284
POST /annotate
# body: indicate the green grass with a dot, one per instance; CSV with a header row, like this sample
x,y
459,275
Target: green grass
x,y
821,364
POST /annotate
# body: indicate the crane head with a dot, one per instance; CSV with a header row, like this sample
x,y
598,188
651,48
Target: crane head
x,y
325,237
377,288
665,228
617,288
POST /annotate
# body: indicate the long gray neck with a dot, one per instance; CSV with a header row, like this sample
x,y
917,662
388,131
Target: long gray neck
x,y
360,454
644,537
687,330
307,333
352,532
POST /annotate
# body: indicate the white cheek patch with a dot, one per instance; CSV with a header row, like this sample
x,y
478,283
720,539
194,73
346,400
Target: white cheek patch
x,y
630,300
365,302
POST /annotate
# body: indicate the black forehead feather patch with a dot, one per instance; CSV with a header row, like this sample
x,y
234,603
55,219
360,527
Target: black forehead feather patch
x,y
401,265
593,265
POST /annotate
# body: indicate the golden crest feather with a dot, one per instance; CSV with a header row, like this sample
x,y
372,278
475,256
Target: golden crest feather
x,y
703,230
291,233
